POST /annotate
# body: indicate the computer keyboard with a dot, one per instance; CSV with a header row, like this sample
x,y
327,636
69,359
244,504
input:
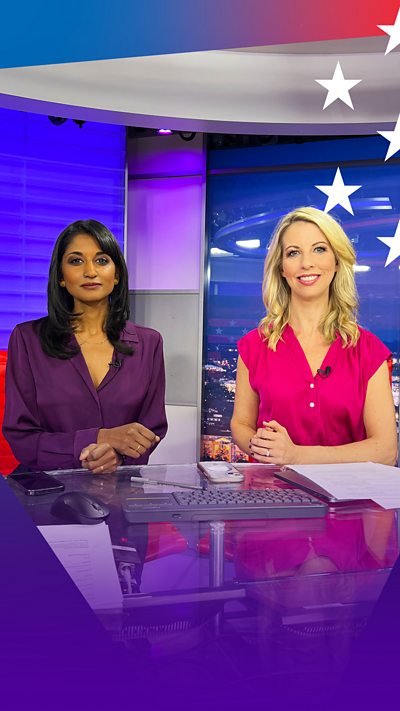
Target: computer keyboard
x,y
213,504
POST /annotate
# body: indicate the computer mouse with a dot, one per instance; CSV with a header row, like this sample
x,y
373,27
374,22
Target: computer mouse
x,y
79,507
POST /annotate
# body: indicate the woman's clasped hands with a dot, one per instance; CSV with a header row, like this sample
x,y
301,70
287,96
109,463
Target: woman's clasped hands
x,y
100,458
131,440
271,444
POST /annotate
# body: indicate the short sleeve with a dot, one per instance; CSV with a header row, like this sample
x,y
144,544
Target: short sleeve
x,y
373,353
249,348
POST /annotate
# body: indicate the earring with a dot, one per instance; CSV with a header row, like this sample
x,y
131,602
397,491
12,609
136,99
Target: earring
x,y
62,283
115,282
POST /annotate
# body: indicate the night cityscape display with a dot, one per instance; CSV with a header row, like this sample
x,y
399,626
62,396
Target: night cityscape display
x,y
248,190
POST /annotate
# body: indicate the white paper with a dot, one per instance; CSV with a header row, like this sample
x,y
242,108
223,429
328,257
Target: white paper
x,y
86,553
356,481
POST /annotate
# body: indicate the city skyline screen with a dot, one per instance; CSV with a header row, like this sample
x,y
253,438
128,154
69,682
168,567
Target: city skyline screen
x,y
248,190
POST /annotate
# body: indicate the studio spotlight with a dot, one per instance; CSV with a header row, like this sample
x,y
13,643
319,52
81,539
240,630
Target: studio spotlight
x,y
78,122
187,135
164,131
57,120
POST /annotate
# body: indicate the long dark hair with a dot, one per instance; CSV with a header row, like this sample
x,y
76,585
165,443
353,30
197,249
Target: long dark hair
x,y
55,330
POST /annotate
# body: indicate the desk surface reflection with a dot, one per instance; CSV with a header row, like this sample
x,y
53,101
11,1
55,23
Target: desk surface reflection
x,y
249,602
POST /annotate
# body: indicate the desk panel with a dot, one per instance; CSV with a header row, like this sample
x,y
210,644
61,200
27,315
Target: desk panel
x,y
294,597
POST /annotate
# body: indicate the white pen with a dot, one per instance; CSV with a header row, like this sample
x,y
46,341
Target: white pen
x,y
142,480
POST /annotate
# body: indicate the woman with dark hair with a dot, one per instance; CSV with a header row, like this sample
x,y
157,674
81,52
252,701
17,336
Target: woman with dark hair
x,y
84,385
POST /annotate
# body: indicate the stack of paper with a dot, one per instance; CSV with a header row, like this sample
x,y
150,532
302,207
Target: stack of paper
x,y
356,481
86,553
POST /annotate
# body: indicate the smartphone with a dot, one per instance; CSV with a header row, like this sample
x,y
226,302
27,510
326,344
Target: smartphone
x,y
221,472
37,483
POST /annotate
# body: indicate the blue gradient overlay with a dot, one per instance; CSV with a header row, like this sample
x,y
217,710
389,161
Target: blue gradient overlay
x,y
46,32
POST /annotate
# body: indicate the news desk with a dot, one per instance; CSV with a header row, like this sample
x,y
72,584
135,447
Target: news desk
x,y
243,606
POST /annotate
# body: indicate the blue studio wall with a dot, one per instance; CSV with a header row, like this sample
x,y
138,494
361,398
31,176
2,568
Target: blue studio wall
x,y
50,176
248,190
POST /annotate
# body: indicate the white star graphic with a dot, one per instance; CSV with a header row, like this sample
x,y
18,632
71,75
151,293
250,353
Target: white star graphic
x,y
394,245
394,33
394,139
338,88
338,193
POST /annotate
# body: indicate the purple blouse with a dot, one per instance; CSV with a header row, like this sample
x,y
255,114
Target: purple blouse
x,y
53,409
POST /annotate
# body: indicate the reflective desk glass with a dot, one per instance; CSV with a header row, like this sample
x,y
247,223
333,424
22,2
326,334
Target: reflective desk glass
x,y
247,603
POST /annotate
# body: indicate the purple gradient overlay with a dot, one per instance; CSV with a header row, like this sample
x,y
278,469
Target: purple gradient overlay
x,y
285,641
52,646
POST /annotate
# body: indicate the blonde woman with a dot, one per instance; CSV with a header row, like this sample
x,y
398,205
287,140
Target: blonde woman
x,y
312,385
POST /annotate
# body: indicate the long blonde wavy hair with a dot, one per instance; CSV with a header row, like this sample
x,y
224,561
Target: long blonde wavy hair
x,y
341,316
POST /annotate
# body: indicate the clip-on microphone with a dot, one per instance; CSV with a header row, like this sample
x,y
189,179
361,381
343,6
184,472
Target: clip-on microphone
x,y
324,372
117,364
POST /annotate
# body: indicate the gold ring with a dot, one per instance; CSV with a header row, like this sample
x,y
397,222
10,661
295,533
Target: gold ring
x,y
138,448
268,454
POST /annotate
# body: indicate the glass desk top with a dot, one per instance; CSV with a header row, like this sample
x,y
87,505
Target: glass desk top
x,y
271,598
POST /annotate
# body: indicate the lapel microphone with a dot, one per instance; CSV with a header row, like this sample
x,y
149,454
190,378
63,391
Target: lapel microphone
x,y
324,372
116,364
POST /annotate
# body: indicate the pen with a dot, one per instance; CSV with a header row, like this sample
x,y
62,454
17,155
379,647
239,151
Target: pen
x,y
142,480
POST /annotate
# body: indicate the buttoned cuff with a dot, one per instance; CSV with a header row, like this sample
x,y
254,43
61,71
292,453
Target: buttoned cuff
x,y
82,439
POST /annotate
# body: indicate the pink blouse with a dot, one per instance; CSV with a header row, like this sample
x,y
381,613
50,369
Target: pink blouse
x,y
325,409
